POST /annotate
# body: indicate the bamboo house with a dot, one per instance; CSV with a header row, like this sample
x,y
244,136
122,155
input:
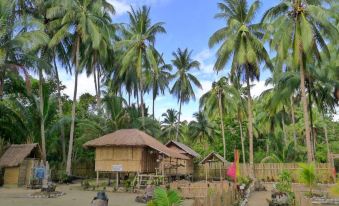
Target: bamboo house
x,y
18,162
130,151
180,167
215,166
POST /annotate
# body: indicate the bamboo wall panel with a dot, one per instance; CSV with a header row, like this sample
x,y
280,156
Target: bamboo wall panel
x,y
268,171
11,175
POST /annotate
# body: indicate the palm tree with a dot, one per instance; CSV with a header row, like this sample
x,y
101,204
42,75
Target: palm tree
x,y
218,96
158,80
240,39
298,27
20,48
138,46
163,197
81,22
201,128
307,175
182,87
169,123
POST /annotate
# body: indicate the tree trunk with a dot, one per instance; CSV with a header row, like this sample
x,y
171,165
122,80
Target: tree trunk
x,y
142,103
284,128
305,110
153,107
222,124
293,121
178,125
327,142
242,142
2,76
99,89
311,118
42,120
62,129
71,136
250,125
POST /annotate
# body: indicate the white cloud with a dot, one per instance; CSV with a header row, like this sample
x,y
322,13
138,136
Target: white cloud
x,y
259,87
85,85
122,6
204,57
206,86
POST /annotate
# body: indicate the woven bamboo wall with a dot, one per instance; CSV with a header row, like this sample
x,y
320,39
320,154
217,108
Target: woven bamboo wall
x,y
11,175
129,157
268,171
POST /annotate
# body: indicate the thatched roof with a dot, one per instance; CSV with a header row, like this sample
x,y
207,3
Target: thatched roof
x,y
213,156
184,148
134,138
15,154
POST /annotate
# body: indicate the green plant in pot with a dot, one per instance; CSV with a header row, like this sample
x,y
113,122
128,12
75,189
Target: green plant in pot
x,y
285,185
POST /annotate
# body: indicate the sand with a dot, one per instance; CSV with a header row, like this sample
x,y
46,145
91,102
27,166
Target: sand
x,y
73,197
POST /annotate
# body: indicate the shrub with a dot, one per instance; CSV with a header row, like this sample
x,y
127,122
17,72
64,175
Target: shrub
x,y
164,197
307,175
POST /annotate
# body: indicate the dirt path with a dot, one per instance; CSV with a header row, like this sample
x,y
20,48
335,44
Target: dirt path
x,y
259,198
73,197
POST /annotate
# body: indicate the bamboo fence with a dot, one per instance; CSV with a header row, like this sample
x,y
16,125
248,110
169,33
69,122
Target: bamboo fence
x,y
268,172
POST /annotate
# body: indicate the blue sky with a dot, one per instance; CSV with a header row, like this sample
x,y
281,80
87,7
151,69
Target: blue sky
x,y
189,24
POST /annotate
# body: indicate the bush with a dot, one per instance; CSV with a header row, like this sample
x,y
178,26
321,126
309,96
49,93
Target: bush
x,y
62,177
285,185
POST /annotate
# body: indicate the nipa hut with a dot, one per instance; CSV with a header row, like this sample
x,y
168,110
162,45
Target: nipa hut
x,y
215,166
18,161
130,151
180,167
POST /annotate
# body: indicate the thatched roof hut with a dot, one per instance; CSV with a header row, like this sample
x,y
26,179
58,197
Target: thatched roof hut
x,y
182,148
130,150
180,167
215,166
18,161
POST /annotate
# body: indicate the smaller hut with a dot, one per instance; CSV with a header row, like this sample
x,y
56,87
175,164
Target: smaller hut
x,y
215,166
18,161
181,167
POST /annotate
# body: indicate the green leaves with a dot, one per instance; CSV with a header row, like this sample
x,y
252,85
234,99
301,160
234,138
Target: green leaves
x,y
165,198
307,175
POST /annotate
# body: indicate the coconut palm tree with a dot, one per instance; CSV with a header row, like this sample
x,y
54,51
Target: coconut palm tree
x,y
183,85
169,123
218,97
138,46
158,80
200,128
240,40
298,26
81,21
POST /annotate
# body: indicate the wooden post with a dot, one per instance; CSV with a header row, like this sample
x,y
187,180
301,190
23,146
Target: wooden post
x,y
97,183
206,172
220,173
117,180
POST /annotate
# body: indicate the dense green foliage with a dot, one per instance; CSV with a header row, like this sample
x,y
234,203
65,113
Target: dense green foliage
x,y
292,121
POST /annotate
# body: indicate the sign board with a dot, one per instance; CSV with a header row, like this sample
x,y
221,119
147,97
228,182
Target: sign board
x,y
117,168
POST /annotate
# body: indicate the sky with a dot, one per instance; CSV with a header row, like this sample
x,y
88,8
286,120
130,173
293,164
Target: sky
x,y
189,24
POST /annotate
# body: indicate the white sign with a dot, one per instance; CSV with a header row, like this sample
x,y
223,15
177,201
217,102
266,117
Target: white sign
x,y
117,168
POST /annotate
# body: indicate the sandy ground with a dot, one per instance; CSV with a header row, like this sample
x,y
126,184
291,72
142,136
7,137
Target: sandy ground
x,y
73,197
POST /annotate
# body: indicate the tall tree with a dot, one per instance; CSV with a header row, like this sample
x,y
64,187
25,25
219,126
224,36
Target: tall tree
x,y
303,22
241,40
81,21
201,128
218,97
158,79
138,46
168,124
182,87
